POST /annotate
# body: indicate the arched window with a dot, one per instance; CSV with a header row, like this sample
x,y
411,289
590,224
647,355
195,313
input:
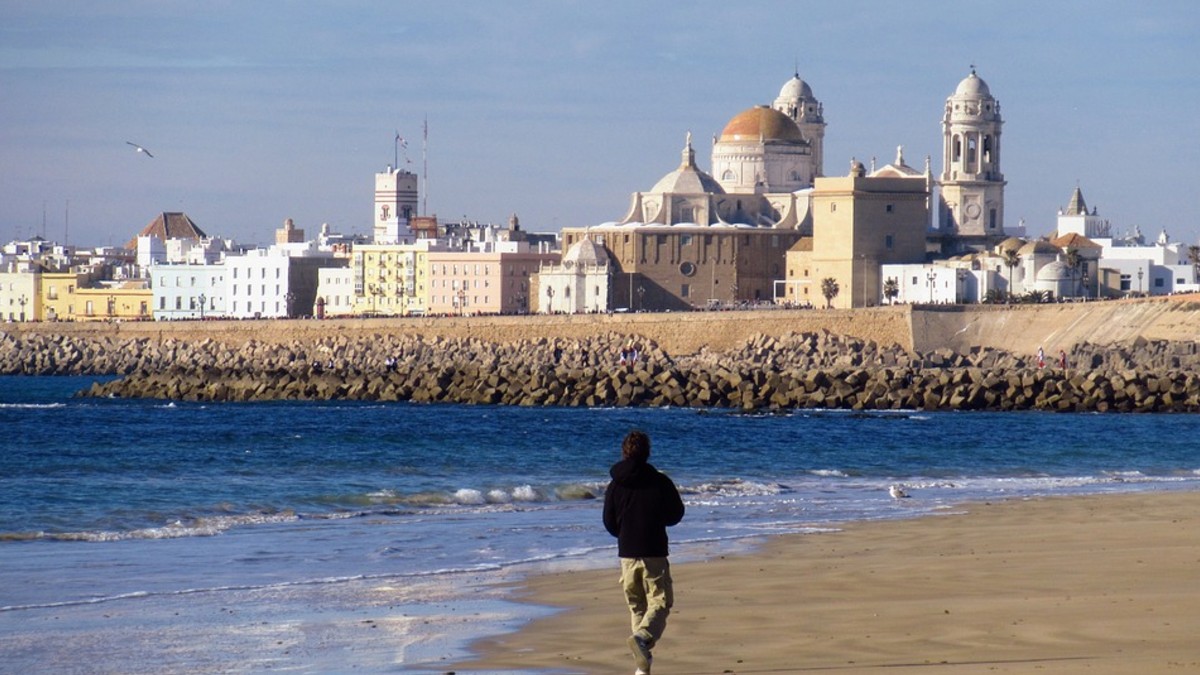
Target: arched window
x,y
956,148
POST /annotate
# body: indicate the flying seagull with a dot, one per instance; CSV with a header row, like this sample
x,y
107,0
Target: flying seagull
x,y
139,148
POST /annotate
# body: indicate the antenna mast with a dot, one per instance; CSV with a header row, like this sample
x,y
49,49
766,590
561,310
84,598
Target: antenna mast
x,y
425,165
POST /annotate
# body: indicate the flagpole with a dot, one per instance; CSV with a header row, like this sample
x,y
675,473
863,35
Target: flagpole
x,y
396,151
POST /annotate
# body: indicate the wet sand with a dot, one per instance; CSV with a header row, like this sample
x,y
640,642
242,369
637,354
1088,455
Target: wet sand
x,y
1096,584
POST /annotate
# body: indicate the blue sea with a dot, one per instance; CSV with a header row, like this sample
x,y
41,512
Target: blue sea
x,y
173,537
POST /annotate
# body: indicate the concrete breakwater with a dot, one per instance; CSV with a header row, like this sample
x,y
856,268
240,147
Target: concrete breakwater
x,y
796,370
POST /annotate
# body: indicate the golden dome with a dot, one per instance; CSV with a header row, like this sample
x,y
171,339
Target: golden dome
x,y
761,122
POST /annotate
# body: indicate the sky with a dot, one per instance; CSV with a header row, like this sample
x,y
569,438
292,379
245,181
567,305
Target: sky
x,y
557,111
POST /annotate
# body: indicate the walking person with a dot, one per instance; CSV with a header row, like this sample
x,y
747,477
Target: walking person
x,y
639,505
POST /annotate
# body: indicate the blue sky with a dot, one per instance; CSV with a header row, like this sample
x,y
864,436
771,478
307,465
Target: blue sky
x,y
557,111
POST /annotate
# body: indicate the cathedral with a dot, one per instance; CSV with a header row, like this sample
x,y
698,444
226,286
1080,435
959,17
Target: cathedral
x,y
698,239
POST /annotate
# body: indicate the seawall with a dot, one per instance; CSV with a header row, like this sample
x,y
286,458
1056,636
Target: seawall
x,y
1019,328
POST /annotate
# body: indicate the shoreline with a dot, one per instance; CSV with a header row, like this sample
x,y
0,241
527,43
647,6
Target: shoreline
x,y
1070,584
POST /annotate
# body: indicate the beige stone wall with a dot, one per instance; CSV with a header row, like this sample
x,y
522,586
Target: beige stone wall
x,y
1019,329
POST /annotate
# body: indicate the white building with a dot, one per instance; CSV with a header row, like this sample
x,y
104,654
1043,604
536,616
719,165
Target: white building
x,y
279,281
187,291
335,292
20,286
930,284
579,284
1127,264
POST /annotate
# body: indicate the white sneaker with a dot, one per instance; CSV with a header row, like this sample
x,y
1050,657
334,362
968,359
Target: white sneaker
x,y
641,654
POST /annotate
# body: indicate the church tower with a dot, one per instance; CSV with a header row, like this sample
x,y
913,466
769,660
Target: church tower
x,y
796,100
395,205
971,214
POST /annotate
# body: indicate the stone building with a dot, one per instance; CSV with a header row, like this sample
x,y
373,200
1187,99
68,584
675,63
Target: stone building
x,y
971,212
860,222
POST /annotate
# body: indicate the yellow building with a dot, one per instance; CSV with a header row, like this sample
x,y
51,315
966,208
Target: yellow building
x,y
391,279
58,294
123,301
859,223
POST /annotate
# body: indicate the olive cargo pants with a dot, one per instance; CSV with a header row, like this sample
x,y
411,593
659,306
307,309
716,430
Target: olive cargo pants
x,y
647,586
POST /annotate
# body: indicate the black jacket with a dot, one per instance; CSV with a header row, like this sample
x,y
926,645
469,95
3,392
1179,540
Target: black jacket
x,y
639,505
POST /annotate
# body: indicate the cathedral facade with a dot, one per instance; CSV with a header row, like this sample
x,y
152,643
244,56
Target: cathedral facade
x,y
698,239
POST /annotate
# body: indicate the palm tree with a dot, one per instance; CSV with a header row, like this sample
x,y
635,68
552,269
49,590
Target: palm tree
x,y
1011,259
1036,297
829,289
1073,260
891,289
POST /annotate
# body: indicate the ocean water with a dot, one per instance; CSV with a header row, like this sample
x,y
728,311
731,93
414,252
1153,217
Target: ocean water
x,y
156,537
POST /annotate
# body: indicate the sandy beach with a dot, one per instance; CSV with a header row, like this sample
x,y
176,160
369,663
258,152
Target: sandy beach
x,y
1096,584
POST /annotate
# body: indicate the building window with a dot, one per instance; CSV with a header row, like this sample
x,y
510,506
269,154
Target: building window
x,y
888,208
685,240
832,207
888,241
684,291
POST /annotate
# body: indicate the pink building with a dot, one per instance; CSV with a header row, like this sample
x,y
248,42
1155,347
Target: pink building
x,y
472,282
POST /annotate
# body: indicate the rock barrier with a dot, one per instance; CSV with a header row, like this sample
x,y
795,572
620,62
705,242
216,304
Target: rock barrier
x,y
798,370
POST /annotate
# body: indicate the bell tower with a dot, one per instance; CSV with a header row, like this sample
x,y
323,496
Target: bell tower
x,y
971,212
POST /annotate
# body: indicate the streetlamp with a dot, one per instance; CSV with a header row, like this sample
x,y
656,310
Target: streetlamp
x,y
862,261
21,301
462,301
203,298
641,291
961,290
550,296
931,276
1140,281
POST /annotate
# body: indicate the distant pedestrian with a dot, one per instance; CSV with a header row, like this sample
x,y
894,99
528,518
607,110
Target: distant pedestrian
x,y
639,505
1041,358
1062,359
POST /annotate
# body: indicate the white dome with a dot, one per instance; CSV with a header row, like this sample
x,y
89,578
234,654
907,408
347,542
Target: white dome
x,y
973,86
1055,271
585,252
796,88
